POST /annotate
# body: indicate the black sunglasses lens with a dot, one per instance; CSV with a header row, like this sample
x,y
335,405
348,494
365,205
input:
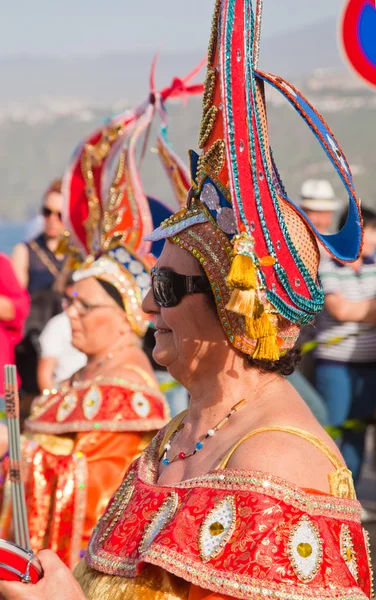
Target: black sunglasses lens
x,y
163,289
47,212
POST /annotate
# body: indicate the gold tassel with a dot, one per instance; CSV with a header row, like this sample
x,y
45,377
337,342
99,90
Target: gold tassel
x,y
242,301
242,275
260,326
267,348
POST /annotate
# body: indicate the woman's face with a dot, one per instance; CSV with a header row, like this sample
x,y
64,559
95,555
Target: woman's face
x,y
96,319
188,333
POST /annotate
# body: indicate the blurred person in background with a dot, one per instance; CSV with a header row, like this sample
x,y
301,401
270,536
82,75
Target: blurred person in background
x,y
318,201
35,262
14,308
59,359
345,369
37,268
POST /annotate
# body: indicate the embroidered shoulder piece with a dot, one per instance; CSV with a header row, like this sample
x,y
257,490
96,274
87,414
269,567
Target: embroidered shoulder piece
x,y
109,405
244,534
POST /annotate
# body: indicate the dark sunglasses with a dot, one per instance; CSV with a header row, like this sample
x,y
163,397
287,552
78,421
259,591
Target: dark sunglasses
x,y
169,288
47,212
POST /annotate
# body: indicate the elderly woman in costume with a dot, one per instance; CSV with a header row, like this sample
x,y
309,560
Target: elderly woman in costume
x,y
82,437
243,495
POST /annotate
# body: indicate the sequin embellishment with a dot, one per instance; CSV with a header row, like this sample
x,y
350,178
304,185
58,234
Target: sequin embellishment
x,y
67,406
347,551
160,519
225,216
210,196
304,549
92,402
217,528
140,404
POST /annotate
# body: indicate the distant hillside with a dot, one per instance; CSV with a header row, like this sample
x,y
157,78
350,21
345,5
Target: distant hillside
x,y
34,151
123,78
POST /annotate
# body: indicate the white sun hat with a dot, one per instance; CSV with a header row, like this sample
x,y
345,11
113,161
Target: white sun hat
x,y
318,194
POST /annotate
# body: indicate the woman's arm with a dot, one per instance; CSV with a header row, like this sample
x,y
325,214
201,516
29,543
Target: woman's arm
x,y
7,310
20,261
57,583
45,373
344,310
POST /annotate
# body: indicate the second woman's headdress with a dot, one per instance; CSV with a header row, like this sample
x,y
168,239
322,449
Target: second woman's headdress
x,y
107,212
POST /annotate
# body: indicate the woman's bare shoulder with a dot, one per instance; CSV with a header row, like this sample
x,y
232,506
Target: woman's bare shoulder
x,y
288,455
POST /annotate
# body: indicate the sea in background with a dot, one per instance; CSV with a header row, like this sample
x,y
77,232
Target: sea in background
x,y
10,235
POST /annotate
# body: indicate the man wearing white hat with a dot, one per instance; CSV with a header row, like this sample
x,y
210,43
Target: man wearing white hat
x,y
318,201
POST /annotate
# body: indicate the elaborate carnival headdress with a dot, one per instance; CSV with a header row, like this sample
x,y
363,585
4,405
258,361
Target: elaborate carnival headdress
x,y
106,211
257,247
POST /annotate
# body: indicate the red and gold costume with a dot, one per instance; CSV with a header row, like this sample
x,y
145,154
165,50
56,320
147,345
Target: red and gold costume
x,y
80,439
242,534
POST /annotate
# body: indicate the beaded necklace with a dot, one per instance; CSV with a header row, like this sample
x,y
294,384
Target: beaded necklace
x,y
199,445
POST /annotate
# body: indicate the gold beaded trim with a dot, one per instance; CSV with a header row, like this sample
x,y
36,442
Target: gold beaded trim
x,y
371,577
207,126
240,586
182,215
214,33
348,552
214,158
208,96
116,510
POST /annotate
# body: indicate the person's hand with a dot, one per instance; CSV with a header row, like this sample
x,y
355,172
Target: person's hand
x,y
57,583
3,439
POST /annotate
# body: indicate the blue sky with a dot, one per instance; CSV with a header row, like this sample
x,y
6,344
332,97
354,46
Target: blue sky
x,y
72,27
